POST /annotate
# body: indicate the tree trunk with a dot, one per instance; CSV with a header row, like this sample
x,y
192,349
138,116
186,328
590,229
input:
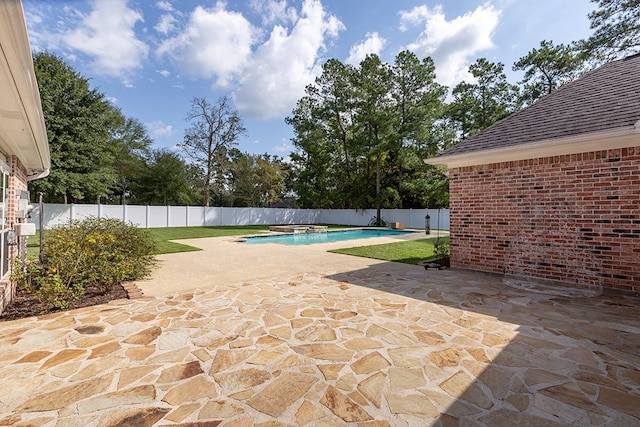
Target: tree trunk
x,y
378,219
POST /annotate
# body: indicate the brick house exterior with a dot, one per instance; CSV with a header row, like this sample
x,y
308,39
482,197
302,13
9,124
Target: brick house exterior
x,y
24,149
553,191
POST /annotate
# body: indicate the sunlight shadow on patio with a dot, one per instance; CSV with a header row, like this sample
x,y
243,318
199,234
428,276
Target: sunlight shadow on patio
x,y
515,357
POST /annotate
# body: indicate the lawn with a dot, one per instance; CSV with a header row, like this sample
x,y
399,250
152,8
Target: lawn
x,y
408,252
163,236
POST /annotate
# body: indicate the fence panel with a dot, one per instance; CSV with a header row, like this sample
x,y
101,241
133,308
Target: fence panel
x,y
157,216
80,212
181,216
195,216
54,214
136,215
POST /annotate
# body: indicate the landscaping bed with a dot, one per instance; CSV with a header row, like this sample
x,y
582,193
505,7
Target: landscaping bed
x,y
26,304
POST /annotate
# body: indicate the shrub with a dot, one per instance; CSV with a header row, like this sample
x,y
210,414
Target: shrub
x,y
46,283
95,252
441,250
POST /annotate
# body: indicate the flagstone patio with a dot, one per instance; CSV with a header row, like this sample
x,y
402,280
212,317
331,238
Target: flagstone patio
x,y
385,345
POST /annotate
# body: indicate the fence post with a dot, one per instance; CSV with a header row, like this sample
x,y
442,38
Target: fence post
x,y
168,216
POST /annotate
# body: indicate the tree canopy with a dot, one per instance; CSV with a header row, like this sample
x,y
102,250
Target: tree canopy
x,y
78,121
214,129
478,105
616,25
361,134
547,68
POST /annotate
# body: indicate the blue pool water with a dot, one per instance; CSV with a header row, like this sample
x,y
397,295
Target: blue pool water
x,y
329,236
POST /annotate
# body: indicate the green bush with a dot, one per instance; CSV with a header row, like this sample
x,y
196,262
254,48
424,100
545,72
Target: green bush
x,y
441,250
46,283
95,252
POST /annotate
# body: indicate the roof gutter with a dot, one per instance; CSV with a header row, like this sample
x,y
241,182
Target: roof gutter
x,y
583,143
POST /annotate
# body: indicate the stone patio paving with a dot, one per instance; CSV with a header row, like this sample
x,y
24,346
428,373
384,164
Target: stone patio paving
x,y
387,345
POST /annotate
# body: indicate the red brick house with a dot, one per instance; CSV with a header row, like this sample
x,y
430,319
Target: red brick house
x,y
553,191
24,149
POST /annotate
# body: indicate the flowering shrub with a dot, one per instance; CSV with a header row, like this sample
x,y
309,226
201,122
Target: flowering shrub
x,y
95,252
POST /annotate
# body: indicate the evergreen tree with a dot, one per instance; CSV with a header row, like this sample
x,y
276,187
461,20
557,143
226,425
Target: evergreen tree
x,y
547,68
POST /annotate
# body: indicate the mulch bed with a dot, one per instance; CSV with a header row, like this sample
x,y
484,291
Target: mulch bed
x,y
26,304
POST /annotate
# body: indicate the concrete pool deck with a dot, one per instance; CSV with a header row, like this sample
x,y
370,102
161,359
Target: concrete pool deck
x,y
374,344
226,260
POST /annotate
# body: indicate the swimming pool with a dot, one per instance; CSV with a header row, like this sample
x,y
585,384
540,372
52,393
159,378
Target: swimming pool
x,y
329,236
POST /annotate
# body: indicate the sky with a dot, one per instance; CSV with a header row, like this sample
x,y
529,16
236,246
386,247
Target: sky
x,y
152,57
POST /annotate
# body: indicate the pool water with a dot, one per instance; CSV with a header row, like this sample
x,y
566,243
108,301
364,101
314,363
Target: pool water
x,y
329,236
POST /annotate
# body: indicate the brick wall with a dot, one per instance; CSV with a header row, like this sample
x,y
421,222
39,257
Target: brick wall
x,y
17,181
574,218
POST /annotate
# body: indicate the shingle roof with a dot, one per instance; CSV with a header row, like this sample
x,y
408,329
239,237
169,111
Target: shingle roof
x,y
606,98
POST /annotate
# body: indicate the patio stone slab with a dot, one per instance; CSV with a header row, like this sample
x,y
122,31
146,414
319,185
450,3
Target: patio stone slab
x,y
379,345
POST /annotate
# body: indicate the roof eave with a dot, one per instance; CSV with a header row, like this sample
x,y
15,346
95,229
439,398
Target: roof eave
x,y
22,128
583,143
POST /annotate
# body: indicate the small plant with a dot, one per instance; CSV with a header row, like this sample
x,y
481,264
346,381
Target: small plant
x,y
441,251
95,252
46,284
375,223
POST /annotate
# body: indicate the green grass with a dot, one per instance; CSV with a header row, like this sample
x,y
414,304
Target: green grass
x,y
163,236
33,246
408,252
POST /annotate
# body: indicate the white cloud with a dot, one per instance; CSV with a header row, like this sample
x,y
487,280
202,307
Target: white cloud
x,y
452,44
216,43
273,11
166,24
165,5
285,147
158,128
373,44
107,35
164,73
281,67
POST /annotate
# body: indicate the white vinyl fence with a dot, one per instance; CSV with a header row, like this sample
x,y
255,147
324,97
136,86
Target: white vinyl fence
x,y
196,216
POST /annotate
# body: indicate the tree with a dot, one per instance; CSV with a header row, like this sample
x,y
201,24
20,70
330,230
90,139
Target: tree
x,y
326,156
77,119
547,68
257,180
418,107
130,147
374,117
361,134
478,105
213,131
617,30
167,180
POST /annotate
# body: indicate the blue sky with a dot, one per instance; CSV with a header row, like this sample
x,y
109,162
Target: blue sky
x,y
152,57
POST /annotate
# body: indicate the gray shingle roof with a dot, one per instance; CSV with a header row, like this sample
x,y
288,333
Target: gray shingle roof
x,y
606,98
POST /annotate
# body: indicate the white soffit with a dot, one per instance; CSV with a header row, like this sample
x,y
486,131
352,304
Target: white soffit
x,y
22,128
